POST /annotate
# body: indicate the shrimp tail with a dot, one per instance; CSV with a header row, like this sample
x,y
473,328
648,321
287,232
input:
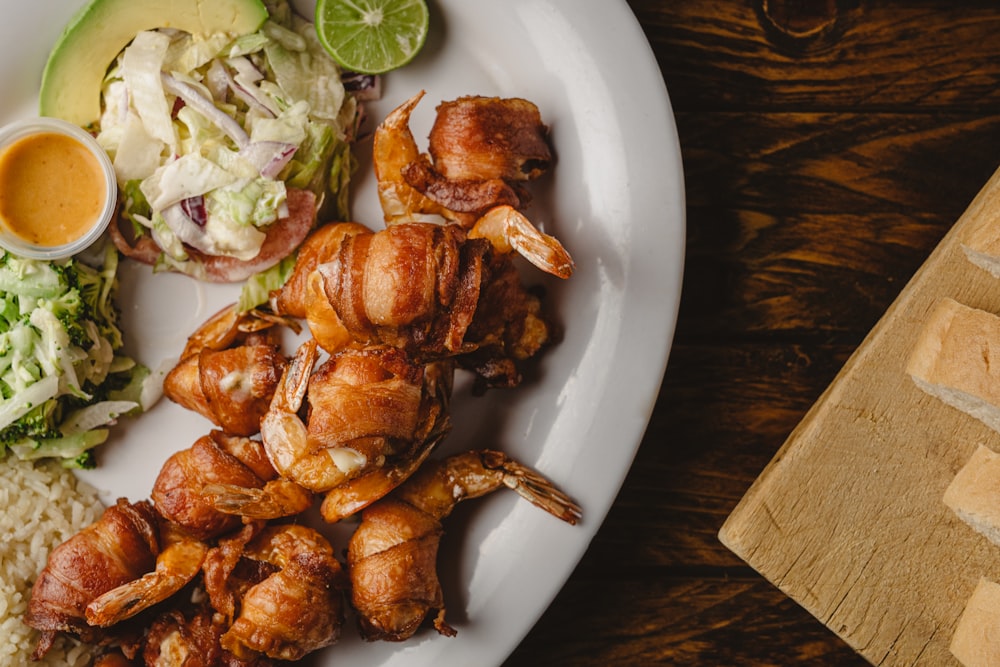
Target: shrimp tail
x,y
278,498
533,487
281,430
393,148
294,383
510,231
177,565
392,555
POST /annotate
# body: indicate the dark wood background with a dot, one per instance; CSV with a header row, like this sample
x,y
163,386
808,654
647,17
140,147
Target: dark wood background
x,y
828,145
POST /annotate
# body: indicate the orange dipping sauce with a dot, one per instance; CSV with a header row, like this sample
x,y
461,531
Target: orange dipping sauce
x,y
52,189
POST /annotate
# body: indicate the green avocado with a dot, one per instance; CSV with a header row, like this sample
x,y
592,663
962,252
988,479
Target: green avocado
x,y
71,82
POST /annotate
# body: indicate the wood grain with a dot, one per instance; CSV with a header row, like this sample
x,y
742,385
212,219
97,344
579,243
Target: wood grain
x,y
719,54
825,157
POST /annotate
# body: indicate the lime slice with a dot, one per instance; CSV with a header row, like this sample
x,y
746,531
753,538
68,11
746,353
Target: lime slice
x,y
372,36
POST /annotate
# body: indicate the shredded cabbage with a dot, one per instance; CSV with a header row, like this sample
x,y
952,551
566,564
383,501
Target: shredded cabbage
x,y
63,377
232,120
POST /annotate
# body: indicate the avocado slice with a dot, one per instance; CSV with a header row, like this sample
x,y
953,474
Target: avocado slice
x,y
71,82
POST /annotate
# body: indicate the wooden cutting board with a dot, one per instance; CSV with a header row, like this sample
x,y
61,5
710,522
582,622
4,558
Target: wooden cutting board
x,y
848,518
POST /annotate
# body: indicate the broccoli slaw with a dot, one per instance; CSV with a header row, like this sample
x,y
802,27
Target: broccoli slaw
x,y
63,377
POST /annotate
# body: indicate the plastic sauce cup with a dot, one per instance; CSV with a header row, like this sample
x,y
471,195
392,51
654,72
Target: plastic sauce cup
x,y
58,190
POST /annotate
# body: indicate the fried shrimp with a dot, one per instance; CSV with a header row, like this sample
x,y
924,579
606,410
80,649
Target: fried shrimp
x,y
414,286
437,291
232,388
206,489
118,548
192,638
366,407
281,588
229,368
392,556
481,150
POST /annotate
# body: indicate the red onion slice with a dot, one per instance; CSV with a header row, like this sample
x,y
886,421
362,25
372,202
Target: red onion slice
x,y
184,228
194,99
268,157
194,208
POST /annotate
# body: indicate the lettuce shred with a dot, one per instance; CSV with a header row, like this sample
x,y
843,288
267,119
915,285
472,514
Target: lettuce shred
x,y
63,377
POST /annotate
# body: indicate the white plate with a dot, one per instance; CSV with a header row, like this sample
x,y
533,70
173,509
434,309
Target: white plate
x,y
615,199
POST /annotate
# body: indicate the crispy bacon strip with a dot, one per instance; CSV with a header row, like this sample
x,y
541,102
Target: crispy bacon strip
x,y
462,196
482,138
321,246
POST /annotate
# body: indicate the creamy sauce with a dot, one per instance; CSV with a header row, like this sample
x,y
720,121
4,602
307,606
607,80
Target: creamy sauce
x,y
52,189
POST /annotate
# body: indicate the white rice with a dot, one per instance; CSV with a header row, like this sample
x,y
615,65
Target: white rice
x,y
41,506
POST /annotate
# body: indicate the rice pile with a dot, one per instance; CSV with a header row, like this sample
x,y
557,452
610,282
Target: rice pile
x,y
41,505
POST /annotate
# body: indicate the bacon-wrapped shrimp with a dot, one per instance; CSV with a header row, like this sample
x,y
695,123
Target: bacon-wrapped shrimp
x,y
195,486
391,557
355,494
481,150
432,290
231,387
366,408
435,292
116,549
280,587
192,638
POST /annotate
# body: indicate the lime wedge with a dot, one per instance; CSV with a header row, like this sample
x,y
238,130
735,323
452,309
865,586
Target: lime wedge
x,y
372,36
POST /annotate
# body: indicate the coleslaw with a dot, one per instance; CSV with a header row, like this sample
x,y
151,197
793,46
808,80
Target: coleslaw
x,y
63,376
209,134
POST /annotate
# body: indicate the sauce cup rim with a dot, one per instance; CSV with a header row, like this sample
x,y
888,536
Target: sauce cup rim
x,y
20,129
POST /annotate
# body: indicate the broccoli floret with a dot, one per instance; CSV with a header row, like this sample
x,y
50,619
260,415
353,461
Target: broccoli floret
x,y
85,461
71,311
97,288
37,424
69,448
29,279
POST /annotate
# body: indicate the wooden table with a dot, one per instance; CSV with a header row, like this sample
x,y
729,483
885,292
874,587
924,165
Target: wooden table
x,y
828,146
